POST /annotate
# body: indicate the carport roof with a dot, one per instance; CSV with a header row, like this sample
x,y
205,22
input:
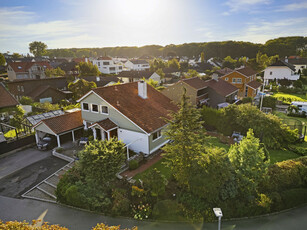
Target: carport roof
x,y
63,123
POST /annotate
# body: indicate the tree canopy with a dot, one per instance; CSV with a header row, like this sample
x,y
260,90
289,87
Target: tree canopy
x,y
37,48
58,72
80,87
87,69
2,59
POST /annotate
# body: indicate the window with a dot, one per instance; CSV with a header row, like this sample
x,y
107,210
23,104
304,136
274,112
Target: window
x,y
104,109
239,80
302,67
112,68
246,91
234,80
226,78
94,108
156,135
85,107
271,73
98,63
106,63
22,89
18,88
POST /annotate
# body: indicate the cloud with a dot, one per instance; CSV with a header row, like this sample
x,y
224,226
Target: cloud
x,y
293,7
246,5
261,31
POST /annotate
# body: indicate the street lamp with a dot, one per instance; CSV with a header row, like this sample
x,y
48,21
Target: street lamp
x,y
218,213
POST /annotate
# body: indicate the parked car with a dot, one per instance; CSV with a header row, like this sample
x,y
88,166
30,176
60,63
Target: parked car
x,y
44,143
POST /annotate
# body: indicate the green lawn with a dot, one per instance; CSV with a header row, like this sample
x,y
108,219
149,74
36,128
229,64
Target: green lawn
x,y
281,155
275,156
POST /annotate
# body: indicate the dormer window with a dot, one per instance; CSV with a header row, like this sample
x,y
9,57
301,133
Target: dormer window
x,y
19,67
85,107
104,110
94,108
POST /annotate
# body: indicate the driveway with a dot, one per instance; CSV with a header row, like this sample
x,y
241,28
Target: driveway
x,y
17,209
21,159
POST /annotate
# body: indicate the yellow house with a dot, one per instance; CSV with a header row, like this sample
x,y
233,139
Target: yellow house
x,y
245,80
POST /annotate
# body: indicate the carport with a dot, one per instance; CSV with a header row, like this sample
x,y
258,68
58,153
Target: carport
x,y
58,126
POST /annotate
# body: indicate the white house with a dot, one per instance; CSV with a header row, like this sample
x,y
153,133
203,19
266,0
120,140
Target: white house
x,y
137,64
280,70
132,76
107,66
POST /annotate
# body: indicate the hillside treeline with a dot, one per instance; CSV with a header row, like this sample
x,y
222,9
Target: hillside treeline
x,y
283,46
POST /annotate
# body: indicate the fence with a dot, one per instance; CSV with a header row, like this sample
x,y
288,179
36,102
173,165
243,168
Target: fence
x,y
21,142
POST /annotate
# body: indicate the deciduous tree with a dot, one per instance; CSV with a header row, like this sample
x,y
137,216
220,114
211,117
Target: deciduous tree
x,y
80,87
37,48
87,69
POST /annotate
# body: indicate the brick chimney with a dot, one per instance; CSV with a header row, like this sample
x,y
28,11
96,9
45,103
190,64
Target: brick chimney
x,y
142,89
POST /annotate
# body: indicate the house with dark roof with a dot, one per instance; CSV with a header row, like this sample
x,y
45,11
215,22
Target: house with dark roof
x,y
37,87
221,72
7,101
137,64
70,68
102,81
27,70
280,70
134,112
202,67
245,80
132,76
46,93
298,63
200,92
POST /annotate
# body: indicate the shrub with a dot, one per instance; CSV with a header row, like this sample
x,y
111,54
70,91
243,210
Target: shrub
x,y
121,204
25,100
247,100
133,164
155,182
298,150
293,197
141,211
169,210
59,149
269,102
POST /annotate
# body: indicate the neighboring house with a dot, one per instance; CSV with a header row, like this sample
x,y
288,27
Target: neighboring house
x,y
137,65
202,67
7,101
133,112
244,79
132,76
27,70
221,72
200,92
280,70
20,88
46,93
57,61
70,68
298,63
107,66
103,81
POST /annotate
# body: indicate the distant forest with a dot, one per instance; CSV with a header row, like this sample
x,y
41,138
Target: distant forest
x,y
283,46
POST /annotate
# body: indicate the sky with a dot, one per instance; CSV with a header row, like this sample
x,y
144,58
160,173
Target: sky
x,y
109,23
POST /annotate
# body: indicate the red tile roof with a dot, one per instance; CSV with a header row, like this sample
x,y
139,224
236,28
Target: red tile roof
x,y
221,87
254,84
195,82
247,71
106,124
22,67
6,99
64,123
147,113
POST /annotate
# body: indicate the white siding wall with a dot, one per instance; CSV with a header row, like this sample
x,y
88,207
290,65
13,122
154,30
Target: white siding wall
x,y
279,72
139,141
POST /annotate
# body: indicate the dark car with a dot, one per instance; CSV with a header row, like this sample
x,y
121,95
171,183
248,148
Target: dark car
x,y
44,143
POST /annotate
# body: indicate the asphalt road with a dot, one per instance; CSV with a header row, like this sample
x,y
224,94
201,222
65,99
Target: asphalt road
x,y
18,209
17,183
18,160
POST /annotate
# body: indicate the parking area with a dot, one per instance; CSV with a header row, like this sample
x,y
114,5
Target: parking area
x,y
22,170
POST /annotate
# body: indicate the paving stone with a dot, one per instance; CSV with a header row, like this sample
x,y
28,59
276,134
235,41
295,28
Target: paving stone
x,y
47,188
39,194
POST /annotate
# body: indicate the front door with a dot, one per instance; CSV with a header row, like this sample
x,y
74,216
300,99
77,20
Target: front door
x,y
113,133
98,134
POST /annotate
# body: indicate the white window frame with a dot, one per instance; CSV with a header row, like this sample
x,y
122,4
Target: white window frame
x,y
159,135
18,88
22,89
87,105
101,111
239,80
234,80
93,110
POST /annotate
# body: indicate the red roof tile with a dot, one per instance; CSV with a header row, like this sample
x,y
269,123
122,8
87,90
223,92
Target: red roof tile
x,y
254,84
22,67
65,122
195,82
106,124
221,87
6,99
147,113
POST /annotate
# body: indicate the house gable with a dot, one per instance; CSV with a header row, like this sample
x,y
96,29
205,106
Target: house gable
x,y
114,114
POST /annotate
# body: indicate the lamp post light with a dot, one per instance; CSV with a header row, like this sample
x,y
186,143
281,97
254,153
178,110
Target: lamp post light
x,y
218,213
